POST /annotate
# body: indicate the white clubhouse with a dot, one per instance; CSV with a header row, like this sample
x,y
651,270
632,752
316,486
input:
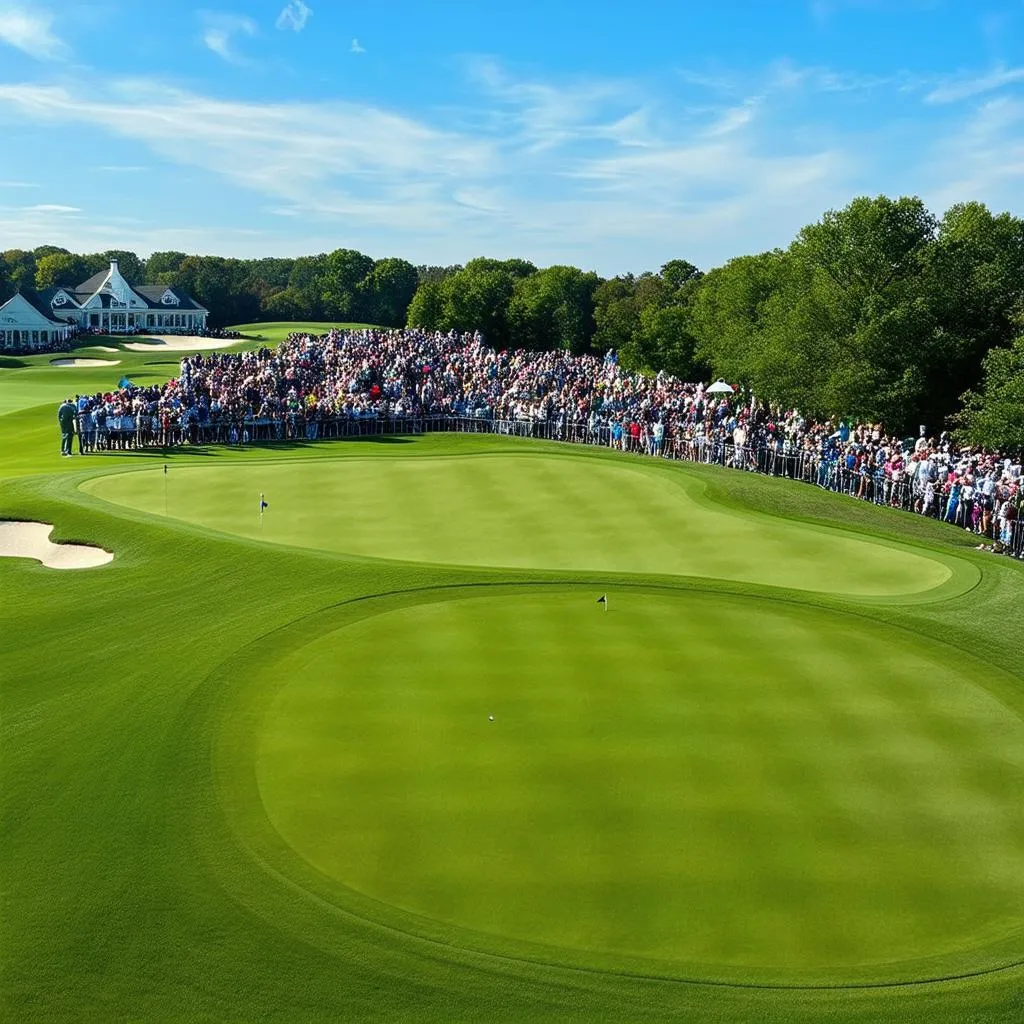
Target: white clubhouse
x,y
106,303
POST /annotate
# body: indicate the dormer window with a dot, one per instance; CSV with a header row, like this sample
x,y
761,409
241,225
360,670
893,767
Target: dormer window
x,y
60,299
169,299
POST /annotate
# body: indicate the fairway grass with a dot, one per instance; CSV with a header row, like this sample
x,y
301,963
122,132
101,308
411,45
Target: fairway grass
x,y
530,512
249,775
665,780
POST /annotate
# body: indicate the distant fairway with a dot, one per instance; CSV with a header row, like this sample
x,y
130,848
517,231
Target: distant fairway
x,y
664,780
538,512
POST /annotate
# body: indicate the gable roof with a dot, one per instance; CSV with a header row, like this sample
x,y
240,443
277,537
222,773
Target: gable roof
x,y
47,295
150,294
94,283
153,293
38,304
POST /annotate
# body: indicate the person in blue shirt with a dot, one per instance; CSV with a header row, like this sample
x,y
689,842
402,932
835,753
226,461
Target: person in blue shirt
x,y
954,501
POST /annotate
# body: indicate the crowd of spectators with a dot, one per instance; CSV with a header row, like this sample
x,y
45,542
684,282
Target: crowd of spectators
x,y
310,386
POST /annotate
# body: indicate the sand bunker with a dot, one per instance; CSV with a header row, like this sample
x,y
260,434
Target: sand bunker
x,y
32,540
186,343
102,348
85,362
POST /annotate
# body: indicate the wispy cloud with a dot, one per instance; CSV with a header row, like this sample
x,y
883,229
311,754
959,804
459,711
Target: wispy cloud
x,y
966,86
981,159
42,208
30,29
121,168
19,184
294,16
356,47
614,172
220,31
336,159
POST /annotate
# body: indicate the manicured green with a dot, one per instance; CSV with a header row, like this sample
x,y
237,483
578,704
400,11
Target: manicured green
x,y
252,778
665,779
537,512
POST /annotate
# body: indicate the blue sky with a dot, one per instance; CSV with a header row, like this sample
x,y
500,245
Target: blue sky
x,y
607,135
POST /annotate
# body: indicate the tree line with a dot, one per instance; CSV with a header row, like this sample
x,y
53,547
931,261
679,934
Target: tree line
x,y
880,311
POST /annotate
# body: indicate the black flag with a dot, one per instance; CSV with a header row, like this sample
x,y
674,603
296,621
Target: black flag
x,y
603,599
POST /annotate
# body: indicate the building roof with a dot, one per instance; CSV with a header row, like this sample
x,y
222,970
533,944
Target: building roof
x,y
153,293
93,285
39,305
150,294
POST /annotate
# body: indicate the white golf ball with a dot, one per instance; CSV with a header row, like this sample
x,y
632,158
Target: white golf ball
x,y
490,718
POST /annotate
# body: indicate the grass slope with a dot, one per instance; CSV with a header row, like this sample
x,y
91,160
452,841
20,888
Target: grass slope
x,y
272,333
144,753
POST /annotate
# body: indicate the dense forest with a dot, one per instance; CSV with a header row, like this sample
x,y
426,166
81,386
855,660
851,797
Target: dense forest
x,y
880,311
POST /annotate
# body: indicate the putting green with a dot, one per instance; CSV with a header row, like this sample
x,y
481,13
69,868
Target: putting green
x,y
538,512
763,789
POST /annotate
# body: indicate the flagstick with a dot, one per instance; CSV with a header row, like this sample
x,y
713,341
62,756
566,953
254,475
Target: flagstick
x,y
261,510
606,604
165,490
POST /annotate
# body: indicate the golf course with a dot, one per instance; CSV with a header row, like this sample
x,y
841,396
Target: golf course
x,y
449,727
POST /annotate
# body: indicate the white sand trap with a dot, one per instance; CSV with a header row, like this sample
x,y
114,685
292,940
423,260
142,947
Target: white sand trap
x,y
85,362
101,348
32,540
181,343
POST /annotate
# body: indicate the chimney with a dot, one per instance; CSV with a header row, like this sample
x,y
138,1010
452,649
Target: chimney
x,y
113,267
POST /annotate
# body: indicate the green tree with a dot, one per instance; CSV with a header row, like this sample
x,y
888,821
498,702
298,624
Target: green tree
x,y
868,293
19,268
427,307
975,284
343,273
283,305
616,313
993,417
60,268
387,290
553,308
429,274
162,267
477,299
305,281
128,263
47,250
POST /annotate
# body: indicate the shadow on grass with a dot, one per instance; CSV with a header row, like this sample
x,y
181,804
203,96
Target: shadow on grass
x,y
11,363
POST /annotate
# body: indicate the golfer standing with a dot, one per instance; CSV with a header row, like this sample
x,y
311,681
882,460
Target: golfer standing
x,y
66,418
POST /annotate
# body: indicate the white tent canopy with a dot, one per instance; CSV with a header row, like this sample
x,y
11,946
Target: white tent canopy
x,y
720,388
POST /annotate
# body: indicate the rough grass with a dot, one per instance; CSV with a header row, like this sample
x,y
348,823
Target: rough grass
x,y
141,881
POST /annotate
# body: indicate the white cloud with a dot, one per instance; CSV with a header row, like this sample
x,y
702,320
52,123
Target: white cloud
x,y
51,208
220,30
982,158
733,119
586,171
30,30
964,87
294,16
356,47
19,184
327,159
610,173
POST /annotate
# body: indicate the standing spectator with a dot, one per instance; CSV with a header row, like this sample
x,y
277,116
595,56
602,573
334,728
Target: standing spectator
x,y
66,413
